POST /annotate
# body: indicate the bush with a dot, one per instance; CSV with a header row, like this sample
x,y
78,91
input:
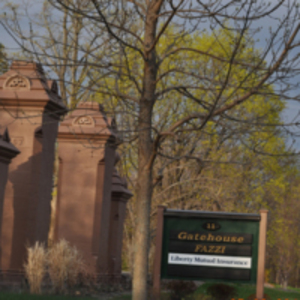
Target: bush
x,y
64,265
221,291
62,261
180,289
35,267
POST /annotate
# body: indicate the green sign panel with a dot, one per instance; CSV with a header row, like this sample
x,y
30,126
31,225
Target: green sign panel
x,y
210,246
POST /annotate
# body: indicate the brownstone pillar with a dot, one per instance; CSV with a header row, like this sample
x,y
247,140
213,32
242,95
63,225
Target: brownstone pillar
x,y
7,152
31,108
87,153
119,196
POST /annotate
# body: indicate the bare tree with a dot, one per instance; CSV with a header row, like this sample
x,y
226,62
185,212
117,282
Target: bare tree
x,y
153,33
3,59
63,42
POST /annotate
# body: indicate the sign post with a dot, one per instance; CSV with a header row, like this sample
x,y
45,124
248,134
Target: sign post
x,y
211,246
158,251
262,255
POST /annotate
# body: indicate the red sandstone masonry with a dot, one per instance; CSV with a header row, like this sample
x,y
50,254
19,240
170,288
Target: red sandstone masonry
x,y
91,198
119,197
87,154
7,152
31,108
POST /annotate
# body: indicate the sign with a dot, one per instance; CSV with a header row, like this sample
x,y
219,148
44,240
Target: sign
x,y
210,246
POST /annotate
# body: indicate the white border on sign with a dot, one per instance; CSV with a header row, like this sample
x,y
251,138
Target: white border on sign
x,y
236,262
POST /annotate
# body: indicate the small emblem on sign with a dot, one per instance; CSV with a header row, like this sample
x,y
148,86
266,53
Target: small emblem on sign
x,y
211,226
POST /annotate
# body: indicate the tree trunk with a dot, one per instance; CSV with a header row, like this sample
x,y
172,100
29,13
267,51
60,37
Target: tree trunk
x,y
141,243
145,152
144,194
285,283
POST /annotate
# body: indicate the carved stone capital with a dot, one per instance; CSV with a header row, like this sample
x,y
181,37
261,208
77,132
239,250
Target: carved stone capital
x,y
17,82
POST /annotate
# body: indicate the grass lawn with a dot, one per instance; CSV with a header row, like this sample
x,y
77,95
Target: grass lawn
x,y
14,296
243,291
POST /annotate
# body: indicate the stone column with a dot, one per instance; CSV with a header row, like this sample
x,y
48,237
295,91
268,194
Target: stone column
x,y
86,152
119,196
30,108
7,152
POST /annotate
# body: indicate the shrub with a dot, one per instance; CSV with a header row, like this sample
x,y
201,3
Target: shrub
x,y
180,289
65,265
220,291
35,268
